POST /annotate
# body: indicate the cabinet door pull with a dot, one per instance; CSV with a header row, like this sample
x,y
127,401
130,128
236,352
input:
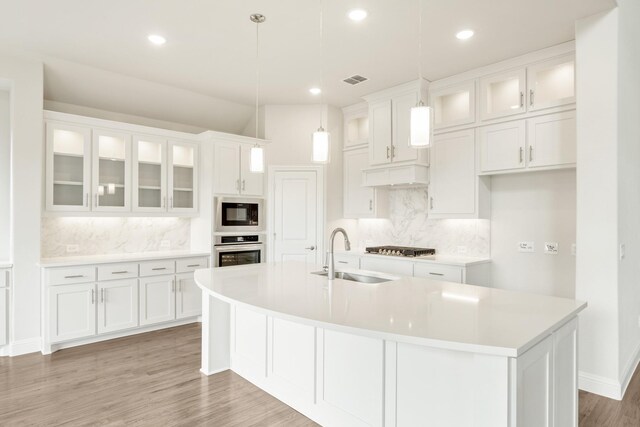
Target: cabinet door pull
x,y
158,268
244,185
393,151
343,262
370,204
388,152
436,274
521,99
521,153
180,287
431,203
75,276
93,298
193,265
531,153
119,272
102,295
531,95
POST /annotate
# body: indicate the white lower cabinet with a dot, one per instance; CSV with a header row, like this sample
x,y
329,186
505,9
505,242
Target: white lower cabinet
x,y
117,305
102,308
188,296
439,272
4,306
72,310
390,266
157,299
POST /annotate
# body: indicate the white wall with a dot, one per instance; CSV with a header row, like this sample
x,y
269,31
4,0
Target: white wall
x,y
5,174
538,207
24,77
629,183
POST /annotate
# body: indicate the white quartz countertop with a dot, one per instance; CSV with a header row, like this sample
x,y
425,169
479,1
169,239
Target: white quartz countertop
x,y
460,261
413,310
110,258
5,264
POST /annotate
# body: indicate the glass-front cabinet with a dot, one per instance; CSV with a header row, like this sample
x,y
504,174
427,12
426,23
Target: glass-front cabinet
x,y
149,174
552,83
503,94
454,105
68,167
182,176
111,171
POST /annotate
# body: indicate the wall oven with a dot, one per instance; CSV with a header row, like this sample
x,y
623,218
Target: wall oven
x,y
238,214
238,250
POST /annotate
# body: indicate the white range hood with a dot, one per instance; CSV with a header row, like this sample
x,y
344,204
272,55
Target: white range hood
x,y
394,176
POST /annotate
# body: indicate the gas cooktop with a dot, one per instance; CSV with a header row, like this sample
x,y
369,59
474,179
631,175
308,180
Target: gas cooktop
x,y
400,251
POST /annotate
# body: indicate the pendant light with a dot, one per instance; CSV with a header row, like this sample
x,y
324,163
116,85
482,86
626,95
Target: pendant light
x,y
256,158
321,138
420,130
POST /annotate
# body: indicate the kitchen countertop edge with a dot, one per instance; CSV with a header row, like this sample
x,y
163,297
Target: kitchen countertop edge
x,y
114,258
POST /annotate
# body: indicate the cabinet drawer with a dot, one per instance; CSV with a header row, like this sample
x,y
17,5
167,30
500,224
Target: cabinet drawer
x,y
346,261
187,265
448,273
387,265
117,271
71,275
153,268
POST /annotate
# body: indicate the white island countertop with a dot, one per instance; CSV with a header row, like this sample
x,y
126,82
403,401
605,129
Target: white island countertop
x,y
110,258
409,309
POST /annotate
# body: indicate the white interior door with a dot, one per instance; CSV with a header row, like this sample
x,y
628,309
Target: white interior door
x,y
297,215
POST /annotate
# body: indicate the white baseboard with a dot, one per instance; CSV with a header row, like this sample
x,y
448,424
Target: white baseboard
x,y
630,369
18,348
217,371
599,385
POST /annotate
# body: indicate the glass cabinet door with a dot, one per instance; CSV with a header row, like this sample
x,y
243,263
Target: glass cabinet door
x,y
149,174
502,95
111,171
68,167
552,83
454,106
182,176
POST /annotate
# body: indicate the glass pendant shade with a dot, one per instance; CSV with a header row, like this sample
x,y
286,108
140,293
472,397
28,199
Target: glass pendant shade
x,y
321,141
420,136
256,163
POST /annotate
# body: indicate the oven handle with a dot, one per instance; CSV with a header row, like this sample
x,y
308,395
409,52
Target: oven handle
x,y
235,248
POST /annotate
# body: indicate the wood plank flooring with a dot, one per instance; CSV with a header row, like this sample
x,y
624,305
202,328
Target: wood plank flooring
x,y
153,379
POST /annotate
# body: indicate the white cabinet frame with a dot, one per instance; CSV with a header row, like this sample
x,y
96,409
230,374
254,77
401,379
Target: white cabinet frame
x,y
95,171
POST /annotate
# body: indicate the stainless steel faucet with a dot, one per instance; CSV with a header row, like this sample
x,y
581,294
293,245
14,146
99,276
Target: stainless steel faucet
x,y
347,245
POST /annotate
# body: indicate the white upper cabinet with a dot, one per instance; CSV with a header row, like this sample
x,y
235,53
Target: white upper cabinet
x,y
503,94
149,174
551,140
231,170
455,188
111,189
182,176
401,126
356,125
454,105
502,146
552,83
360,201
68,167
380,132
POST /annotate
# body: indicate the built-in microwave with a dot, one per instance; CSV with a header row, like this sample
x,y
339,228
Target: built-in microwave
x,y
239,214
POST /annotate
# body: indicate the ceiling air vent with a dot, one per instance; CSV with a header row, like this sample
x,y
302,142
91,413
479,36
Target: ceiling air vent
x,y
356,79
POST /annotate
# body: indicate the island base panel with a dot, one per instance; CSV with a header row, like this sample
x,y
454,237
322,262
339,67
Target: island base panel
x,y
215,335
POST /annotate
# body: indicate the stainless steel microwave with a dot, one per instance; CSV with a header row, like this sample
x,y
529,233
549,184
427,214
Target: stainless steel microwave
x,y
239,214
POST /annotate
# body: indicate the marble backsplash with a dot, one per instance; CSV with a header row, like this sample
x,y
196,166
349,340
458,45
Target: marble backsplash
x,y
408,225
113,235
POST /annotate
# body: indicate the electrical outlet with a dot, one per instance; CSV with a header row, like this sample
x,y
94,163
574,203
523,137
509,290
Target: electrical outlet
x,y
72,249
462,249
165,244
573,249
551,248
526,247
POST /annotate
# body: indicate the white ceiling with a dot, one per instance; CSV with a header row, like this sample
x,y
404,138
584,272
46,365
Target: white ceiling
x,y
211,43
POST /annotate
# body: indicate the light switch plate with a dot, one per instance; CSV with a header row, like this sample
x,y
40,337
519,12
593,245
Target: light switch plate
x,y
72,249
551,248
526,247
165,244
462,249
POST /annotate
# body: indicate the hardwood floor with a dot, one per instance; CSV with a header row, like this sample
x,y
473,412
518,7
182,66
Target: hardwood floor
x,y
153,380
150,379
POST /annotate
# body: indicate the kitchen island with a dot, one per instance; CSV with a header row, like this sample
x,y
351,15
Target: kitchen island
x,y
404,352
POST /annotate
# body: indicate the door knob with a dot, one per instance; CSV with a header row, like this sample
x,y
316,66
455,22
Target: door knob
x,y
311,248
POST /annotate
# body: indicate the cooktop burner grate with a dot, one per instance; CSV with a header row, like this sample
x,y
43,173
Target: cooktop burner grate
x,y
400,251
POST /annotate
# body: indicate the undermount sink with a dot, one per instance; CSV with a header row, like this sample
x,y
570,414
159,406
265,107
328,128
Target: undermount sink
x,y
361,278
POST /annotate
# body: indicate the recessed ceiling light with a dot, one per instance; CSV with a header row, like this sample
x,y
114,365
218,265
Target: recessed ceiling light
x,y
357,14
157,39
464,34
315,91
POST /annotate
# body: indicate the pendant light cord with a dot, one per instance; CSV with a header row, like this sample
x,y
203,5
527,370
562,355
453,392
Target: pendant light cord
x,y
420,52
321,61
257,73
